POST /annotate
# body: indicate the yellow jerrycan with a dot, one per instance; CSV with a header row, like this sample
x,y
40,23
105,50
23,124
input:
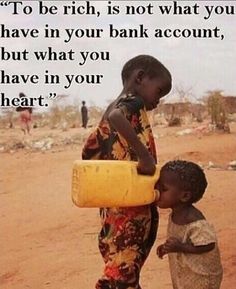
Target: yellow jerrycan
x,y
100,183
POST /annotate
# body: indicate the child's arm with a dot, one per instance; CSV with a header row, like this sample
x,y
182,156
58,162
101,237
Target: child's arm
x,y
173,245
121,124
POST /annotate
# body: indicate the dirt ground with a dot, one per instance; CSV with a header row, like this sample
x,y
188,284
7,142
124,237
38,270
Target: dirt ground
x,y
47,242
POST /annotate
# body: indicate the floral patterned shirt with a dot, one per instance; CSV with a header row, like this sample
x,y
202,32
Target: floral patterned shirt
x,y
107,144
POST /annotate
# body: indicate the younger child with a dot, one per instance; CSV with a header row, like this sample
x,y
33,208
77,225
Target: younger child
x,y
124,133
191,243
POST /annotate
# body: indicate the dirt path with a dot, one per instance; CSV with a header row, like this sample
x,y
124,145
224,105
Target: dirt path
x,y
47,242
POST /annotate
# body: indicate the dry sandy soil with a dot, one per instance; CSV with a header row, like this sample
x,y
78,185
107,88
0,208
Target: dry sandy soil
x,y
47,242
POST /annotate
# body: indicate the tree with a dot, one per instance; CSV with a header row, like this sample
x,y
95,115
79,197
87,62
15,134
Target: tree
x,y
216,109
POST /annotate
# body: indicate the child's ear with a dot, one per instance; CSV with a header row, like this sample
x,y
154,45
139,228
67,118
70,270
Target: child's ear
x,y
186,196
139,76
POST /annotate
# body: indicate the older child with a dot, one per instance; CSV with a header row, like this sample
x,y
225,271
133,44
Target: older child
x,y
191,244
124,133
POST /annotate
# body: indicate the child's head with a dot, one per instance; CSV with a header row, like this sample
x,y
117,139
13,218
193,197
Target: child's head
x,y
21,94
83,102
180,182
147,77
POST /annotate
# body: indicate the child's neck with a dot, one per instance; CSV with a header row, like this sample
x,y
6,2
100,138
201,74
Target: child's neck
x,y
186,213
129,88
127,91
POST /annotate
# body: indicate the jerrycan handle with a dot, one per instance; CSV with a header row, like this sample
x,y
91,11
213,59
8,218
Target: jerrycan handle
x,y
150,181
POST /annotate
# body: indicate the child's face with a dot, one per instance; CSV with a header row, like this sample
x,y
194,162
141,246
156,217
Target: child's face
x,y
152,90
170,192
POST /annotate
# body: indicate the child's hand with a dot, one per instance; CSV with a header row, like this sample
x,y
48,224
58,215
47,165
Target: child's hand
x,y
172,245
161,251
146,166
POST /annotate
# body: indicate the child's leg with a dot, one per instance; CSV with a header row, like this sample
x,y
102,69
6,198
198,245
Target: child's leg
x,y
28,126
125,242
29,120
22,124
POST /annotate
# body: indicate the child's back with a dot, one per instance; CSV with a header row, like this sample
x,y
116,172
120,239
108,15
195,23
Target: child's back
x,y
197,267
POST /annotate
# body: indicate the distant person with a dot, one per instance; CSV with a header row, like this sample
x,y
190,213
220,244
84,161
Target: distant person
x,y
124,133
25,116
191,243
84,113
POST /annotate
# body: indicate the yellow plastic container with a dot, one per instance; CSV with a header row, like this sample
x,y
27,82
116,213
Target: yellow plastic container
x,y
111,184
